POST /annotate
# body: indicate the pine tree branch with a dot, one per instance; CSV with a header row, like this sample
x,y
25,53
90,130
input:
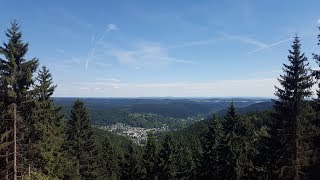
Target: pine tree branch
x,y
6,155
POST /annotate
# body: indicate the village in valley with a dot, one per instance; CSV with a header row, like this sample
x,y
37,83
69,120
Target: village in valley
x,y
137,134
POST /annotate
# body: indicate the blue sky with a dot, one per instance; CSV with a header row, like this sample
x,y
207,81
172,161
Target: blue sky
x,y
164,48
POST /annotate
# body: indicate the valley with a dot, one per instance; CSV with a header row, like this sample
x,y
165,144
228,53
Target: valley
x,y
135,117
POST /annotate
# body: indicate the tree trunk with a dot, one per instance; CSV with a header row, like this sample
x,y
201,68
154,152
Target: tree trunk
x,y
7,158
7,163
296,162
29,171
14,141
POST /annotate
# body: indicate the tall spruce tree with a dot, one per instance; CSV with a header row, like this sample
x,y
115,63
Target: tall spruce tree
x,y
211,163
167,159
16,78
316,107
48,134
45,88
80,142
131,165
108,161
196,148
316,73
150,155
235,147
288,131
186,164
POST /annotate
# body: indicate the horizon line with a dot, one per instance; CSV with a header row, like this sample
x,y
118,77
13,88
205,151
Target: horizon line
x,y
133,97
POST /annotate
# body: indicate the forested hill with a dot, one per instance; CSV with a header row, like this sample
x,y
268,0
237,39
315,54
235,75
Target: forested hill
x,y
169,107
174,113
257,107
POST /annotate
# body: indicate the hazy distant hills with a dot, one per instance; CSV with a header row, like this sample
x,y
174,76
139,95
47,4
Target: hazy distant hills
x,y
173,107
262,106
112,110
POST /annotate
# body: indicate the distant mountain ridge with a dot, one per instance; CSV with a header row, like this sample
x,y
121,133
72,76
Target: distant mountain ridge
x,y
262,106
165,110
173,107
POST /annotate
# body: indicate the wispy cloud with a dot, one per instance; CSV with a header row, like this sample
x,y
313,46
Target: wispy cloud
x,y
259,44
318,21
269,46
112,27
146,54
84,88
90,56
106,80
246,40
258,87
194,43
94,43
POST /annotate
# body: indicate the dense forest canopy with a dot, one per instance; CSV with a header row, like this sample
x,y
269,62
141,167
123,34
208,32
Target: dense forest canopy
x,y
42,140
158,112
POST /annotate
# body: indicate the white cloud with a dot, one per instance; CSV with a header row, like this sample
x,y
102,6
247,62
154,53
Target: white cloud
x,y
112,27
146,55
318,21
249,87
109,80
260,45
269,46
246,40
92,50
61,89
84,88
195,43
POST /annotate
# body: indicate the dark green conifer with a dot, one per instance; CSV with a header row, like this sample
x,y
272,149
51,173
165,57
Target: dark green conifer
x,y
80,142
316,73
235,149
316,107
131,165
196,148
16,74
288,142
149,160
48,134
211,163
108,161
167,160
186,167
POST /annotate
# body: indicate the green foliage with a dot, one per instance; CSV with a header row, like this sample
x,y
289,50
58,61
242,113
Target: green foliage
x,y
80,143
316,107
149,113
287,131
167,159
120,142
195,146
235,146
108,161
186,166
146,120
212,144
38,176
149,160
44,89
48,134
16,74
131,165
